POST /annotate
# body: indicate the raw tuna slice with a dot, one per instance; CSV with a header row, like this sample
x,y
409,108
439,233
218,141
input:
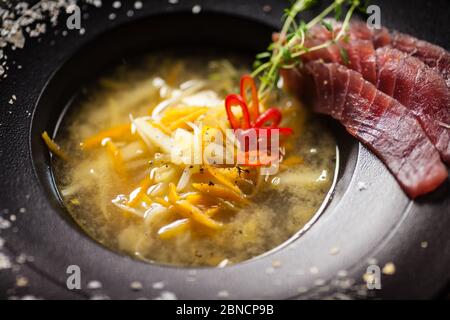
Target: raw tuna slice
x,y
383,124
432,55
421,90
401,76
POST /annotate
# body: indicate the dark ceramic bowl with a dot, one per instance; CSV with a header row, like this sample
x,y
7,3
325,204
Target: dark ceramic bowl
x,y
368,220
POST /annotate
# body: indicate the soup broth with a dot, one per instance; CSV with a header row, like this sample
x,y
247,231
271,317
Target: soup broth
x,y
98,184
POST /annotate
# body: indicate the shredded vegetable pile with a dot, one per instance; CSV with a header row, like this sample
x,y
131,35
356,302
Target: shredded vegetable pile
x,y
159,149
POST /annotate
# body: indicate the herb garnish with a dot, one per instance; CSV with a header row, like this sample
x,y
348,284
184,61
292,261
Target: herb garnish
x,y
285,52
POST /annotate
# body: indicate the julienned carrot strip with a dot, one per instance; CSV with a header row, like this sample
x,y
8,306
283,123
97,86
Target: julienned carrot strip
x,y
116,132
220,192
212,211
161,127
173,195
173,114
162,202
143,187
222,179
187,118
201,199
54,147
188,210
174,229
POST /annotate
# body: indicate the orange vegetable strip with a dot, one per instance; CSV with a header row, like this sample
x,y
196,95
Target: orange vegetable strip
x,y
143,187
188,118
220,192
173,195
113,133
200,199
188,210
161,201
223,179
161,127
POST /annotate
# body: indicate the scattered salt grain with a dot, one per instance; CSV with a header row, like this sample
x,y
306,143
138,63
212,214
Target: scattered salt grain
x,y
158,285
223,294
112,16
334,251
2,243
138,5
5,263
319,282
136,286
424,244
97,3
196,9
314,270
94,284
4,224
389,268
12,217
166,295
22,210
29,297
99,297
21,258
173,1
21,281
362,186
302,290
342,273
276,264
267,8
116,4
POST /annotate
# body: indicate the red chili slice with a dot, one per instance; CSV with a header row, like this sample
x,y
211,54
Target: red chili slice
x,y
273,115
236,100
247,80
